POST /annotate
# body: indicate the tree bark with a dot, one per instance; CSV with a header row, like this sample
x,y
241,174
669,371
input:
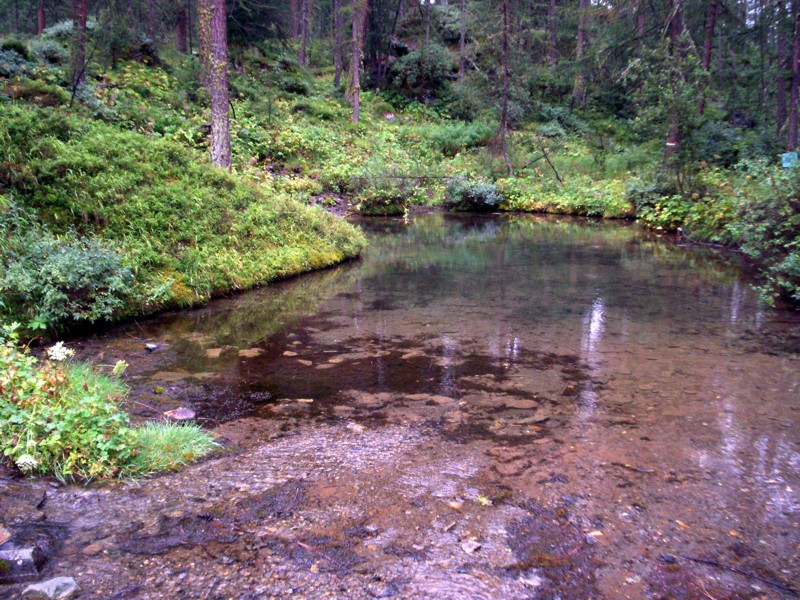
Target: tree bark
x,y
791,137
462,42
579,89
303,31
79,44
359,22
708,45
780,90
676,50
552,50
40,23
181,18
337,44
504,106
293,17
212,31
152,22
427,22
640,26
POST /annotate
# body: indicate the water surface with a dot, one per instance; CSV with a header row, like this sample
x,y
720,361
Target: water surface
x,y
588,403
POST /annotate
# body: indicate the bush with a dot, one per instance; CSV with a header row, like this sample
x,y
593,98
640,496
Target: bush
x,y
12,64
64,418
766,225
471,195
56,280
17,46
49,51
37,92
61,419
455,137
422,74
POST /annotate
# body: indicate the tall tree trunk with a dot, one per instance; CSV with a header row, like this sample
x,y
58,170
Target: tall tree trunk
x,y
708,45
79,44
579,89
641,20
552,50
337,43
181,18
294,13
303,31
676,49
151,22
791,137
780,91
212,30
427,22
360,8
462,42
40,24
504,106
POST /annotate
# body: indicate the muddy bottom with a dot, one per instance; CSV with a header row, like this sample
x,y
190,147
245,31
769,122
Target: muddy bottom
x,y
481,408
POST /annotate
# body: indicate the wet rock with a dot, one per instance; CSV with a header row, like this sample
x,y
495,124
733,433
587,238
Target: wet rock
x,y
305,363
290,353
470,546
250,352
521,403
18,563
60,588
180,414
5,535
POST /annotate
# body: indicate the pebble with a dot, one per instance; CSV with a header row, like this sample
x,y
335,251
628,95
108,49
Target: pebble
x,y
60,588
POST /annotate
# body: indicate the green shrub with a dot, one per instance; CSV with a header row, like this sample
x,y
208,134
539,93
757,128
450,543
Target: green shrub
x,y
49,52
17,46
423,73
61,418
766,225
450,138
169,446
12,64
37,92
57,280
471,195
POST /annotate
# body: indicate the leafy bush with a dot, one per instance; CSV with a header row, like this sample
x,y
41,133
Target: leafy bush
x,y
12,64
63,32
423,73
49,51
37,92
56,280
454,137
62,417
471,195
766,225
562,116
17,46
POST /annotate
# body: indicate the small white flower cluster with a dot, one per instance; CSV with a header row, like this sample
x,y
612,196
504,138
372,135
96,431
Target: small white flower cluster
x,y
60,352
27,463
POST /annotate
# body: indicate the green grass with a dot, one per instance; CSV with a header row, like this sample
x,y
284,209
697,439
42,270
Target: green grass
x,y
169,446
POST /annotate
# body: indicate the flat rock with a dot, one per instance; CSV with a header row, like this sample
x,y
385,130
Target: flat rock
x,y
250,352
521,403
180,414
306,363
213,352
60,588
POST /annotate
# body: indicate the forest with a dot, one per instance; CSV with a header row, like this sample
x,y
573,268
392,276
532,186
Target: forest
x,y
321,247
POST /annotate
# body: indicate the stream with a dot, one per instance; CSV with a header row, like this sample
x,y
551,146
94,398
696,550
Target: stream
x,y
482,407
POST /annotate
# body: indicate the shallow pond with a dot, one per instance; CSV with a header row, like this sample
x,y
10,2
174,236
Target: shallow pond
x,y
481,407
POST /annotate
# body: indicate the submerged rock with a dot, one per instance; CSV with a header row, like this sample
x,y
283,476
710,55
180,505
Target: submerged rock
x,y
60,588
20,563
180,414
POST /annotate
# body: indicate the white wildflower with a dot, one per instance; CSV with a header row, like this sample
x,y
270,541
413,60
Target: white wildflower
x,y
27,463
60,352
